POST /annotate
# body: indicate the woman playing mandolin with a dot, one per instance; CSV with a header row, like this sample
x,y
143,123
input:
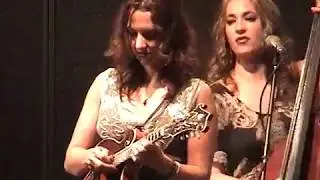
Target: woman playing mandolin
x,y
239,72
140,108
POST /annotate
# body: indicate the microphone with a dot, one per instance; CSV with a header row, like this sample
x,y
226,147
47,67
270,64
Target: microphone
x,y
275,42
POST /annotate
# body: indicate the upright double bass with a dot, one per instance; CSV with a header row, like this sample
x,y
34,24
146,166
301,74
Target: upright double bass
x,y
301,157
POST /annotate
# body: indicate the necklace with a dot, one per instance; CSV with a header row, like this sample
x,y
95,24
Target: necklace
x,y
144,97
145,102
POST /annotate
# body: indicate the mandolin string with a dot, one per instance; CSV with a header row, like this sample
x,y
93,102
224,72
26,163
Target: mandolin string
x,y
122,155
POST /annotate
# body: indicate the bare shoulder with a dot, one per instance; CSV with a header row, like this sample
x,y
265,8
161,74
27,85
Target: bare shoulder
x,y
102,81
201,86
108,73
204,89
204,92
107,76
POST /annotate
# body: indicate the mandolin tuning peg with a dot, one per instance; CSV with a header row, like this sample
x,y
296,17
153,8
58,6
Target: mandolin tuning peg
x,y
197,134
187,135
192,134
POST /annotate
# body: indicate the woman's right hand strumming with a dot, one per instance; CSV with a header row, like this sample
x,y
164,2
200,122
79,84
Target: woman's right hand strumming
x,y
99,160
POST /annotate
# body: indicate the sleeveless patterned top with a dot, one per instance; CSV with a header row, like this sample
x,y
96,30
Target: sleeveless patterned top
x,y
242,131
113,121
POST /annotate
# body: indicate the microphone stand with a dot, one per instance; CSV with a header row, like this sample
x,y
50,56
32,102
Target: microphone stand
x,y
275,63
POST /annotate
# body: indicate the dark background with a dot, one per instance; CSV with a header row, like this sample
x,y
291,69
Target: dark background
x,y
50,52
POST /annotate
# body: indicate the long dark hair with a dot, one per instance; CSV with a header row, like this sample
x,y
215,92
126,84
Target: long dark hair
x,y
177,46
223,60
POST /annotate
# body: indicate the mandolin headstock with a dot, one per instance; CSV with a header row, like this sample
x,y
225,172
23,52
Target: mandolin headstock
x,y
194,122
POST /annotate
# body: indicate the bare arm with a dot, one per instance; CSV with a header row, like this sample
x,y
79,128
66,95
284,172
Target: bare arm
x,y
200,150
84,135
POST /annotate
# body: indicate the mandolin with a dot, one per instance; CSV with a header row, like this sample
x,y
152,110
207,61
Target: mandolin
x,y
194,122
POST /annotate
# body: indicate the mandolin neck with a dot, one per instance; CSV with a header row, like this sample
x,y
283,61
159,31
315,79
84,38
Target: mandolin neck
x,y
124,154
